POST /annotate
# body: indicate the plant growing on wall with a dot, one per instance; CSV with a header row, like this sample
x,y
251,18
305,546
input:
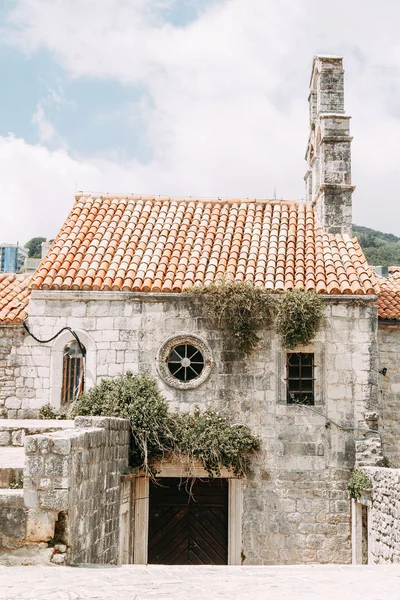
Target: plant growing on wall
x,y
209,437
243,310
358,481
238,307
203,435
299,315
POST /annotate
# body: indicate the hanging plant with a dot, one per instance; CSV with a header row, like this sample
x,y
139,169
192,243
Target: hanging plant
x,y
299,315
203,435
243,310
358,482
239,308
209,437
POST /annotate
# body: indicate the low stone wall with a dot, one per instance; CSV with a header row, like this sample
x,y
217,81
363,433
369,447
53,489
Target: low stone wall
x,y
389,385
14,402
72,492
384,516
25,528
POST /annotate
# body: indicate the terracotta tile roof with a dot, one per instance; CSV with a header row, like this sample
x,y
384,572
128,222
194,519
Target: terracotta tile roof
x,y
395,271
147,244
389,298
14,297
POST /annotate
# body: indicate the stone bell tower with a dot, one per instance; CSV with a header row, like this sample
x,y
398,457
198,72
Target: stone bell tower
x,y
328,156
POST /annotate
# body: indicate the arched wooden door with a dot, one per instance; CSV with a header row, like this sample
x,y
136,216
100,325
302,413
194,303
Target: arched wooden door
x,y
188,524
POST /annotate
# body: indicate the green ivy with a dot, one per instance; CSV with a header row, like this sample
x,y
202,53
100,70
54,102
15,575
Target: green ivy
x,y
208,436
299,317
238,307
204,435
358,481
243,310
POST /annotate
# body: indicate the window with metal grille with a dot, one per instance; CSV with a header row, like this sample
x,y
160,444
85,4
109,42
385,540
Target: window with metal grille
x,y
72,383
185,362
300,378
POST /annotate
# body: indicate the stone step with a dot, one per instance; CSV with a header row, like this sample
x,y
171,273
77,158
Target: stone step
x,y
13,431
11,465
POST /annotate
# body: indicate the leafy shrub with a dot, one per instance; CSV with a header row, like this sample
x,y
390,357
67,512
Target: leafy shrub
x,y
139,400
358,481
203,435
48,412
208,437
299,317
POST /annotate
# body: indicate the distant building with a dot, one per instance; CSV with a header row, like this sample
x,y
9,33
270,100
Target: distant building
x,y
12,257
31,264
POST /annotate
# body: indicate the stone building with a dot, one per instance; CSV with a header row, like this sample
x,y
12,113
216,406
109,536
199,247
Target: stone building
x,y
115,276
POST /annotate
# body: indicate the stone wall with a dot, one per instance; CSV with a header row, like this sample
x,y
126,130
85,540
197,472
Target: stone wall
x,y
383,516
72,492
295,502
16,391
389,390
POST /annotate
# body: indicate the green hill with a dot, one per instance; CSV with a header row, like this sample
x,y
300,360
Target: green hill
x,y
379,248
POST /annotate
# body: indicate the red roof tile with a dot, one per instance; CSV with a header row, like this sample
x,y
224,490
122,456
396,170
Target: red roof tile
x,y
147,244
389,298
14,297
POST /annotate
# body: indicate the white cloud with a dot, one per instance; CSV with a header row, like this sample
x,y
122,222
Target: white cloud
x,y
46,131
227,113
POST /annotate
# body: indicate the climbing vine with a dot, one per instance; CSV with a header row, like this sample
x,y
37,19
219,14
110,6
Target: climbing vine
x,y
299,315
243,310
156,431
358,481
239,308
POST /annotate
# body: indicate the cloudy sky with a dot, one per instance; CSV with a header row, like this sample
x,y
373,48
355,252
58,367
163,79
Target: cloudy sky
x,y
188,98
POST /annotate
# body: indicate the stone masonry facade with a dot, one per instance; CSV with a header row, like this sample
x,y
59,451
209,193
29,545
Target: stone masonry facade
x,y
69,507
389,390
296,507
384,516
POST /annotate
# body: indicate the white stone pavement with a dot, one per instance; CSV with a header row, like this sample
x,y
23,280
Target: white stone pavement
x,y
300,582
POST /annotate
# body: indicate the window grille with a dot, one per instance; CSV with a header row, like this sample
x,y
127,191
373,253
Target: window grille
x,y
185,362
73,374
300,378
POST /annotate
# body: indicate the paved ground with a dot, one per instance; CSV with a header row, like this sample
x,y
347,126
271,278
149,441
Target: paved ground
x,y
201,583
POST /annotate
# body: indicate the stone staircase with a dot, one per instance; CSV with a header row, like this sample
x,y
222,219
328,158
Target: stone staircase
x,y
15,518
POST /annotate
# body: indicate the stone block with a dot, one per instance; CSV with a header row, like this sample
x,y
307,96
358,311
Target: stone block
x,y
40,525
13,522
30,499
56,465
34,465
54,500
13,403
61,446
58,559
18,437
5,438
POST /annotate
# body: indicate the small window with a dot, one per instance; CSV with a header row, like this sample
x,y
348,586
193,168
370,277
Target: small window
x,y
185,362
73,380
300,378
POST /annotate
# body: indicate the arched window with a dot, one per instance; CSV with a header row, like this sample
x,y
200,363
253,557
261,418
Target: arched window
x,y
73,373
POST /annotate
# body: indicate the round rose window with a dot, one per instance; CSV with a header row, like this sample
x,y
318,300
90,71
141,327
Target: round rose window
x,y
184,361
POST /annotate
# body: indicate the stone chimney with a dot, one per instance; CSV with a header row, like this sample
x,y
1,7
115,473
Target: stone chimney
x,y
328,177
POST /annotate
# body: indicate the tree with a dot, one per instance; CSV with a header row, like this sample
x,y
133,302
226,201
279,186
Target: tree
x,y
34,247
